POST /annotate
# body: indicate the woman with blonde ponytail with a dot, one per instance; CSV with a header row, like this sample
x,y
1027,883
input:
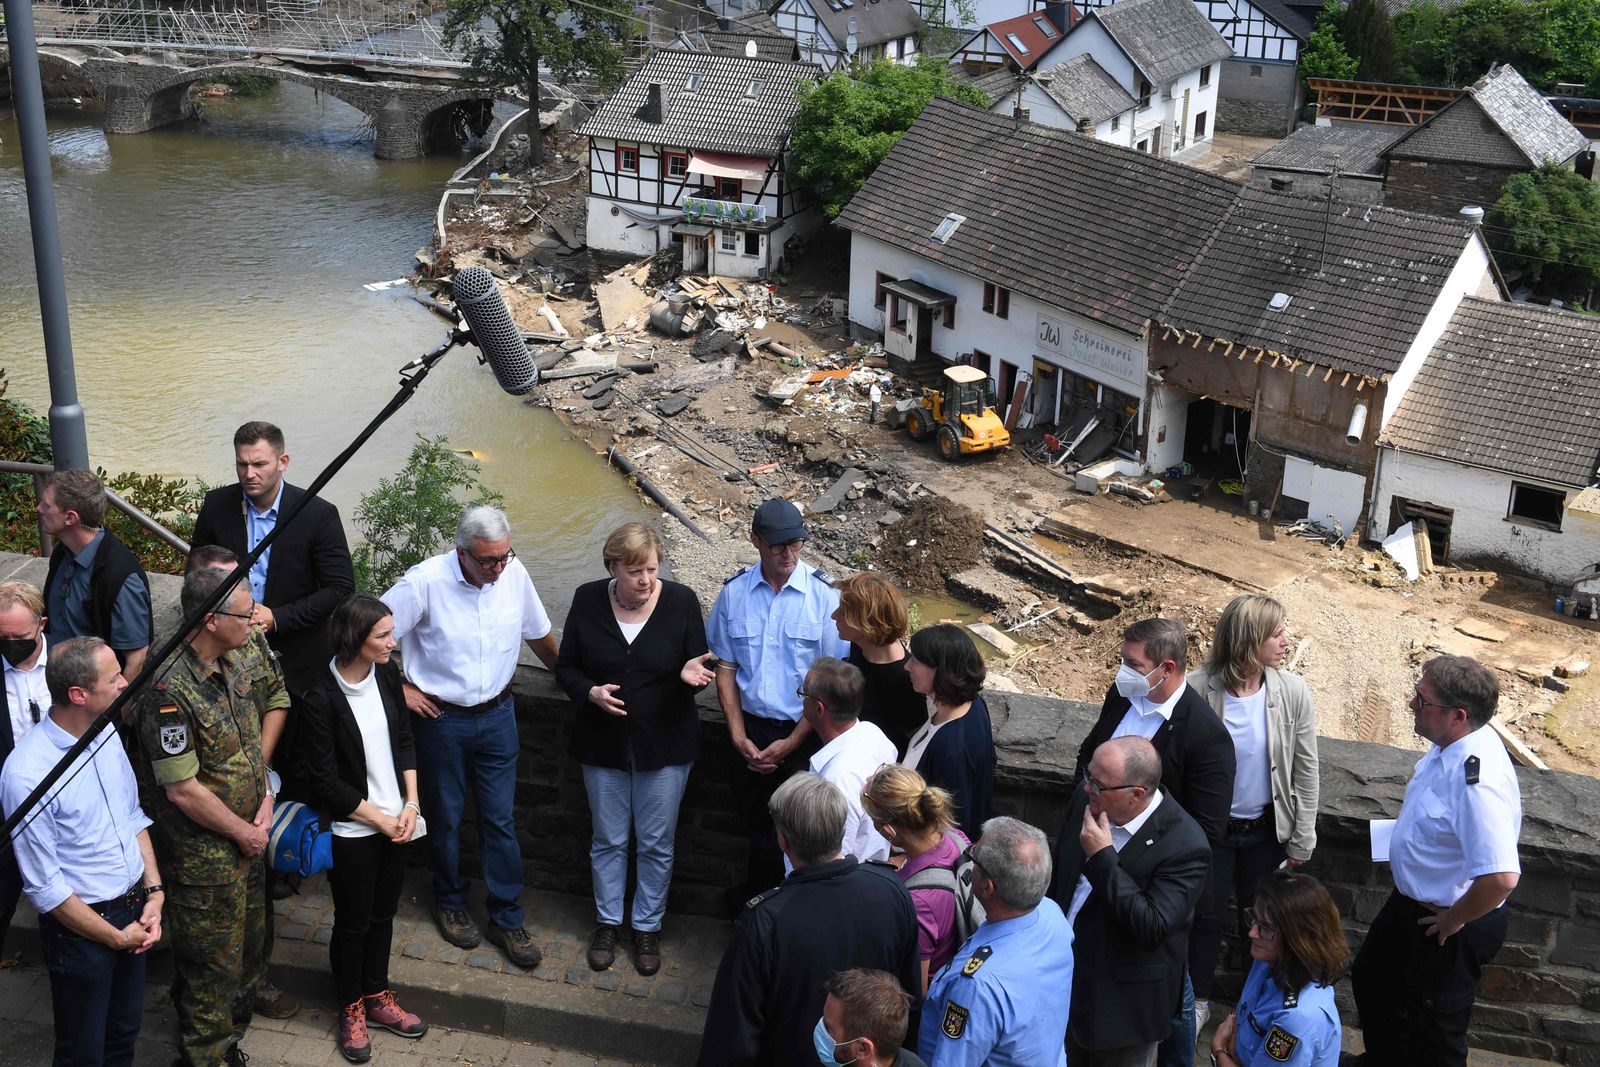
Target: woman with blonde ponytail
x,y
919,822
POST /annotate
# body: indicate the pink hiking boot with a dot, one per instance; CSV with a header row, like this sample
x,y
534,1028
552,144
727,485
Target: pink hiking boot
x,y
384,1012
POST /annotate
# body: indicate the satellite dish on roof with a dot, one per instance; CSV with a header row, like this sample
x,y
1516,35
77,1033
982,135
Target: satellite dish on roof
x,y
851,45
750,50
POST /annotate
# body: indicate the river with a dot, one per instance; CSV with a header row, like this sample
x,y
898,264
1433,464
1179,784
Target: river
x,y
214,273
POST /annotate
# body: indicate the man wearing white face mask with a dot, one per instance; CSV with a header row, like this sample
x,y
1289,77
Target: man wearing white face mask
x,y
1151,698
872,1004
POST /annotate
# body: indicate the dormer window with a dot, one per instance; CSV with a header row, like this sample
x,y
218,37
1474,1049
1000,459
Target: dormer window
x,y
1145,89
1016,42
1046,27
692,84
756,85
947,228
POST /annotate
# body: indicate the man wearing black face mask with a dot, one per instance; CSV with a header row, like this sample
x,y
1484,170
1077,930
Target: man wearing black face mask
x,y
23,700
1151,698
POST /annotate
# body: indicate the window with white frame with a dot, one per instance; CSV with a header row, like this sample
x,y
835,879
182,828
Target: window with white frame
x,y
727,240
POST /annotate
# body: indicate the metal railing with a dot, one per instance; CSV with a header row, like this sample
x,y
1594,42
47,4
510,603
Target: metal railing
x,y
41,470
398,35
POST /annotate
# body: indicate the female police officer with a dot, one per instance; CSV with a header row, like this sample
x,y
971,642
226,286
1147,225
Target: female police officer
x,y
1286,1013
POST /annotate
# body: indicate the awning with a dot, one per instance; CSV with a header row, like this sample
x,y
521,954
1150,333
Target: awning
x,y
690,229
723,165
921,295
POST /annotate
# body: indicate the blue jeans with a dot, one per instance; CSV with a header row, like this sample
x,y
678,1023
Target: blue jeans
x,y
646,802
1178,1049
97,994
454,751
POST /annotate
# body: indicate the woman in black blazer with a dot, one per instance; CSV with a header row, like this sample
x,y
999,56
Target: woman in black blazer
x,y
633,653
357,749
954,750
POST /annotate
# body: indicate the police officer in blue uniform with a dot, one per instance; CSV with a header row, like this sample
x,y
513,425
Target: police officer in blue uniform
x,y
1454,858
1002,1000
1286,1014
769,623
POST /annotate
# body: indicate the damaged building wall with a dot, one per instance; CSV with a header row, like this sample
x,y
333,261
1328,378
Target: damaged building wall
x,y
1481,529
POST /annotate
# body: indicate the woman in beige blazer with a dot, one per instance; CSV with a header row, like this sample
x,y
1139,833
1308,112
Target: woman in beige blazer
x,y
1273,818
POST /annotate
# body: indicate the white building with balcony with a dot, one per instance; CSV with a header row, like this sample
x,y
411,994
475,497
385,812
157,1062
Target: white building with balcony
x,y
693,149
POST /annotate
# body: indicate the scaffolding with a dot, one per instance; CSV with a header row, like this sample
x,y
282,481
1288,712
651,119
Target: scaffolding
x,y
386,31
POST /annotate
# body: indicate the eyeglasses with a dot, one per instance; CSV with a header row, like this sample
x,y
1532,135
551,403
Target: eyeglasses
x,y
1416,698
489,563
801,692
1268,931
787,547
235,615
1096,787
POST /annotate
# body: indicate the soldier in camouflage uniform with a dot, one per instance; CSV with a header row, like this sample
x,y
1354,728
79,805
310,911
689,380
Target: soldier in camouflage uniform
x,y
257,660
203,781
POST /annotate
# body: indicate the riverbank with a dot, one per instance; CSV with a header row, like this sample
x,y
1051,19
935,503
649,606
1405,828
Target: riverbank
x,y
769,399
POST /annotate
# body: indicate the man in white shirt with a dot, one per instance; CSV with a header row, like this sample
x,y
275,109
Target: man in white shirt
x,y
851,749
1454,858
459,618
87,861
24,699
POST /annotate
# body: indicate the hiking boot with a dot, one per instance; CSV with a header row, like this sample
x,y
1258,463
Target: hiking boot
x,y
273,1002
517,945
385,1012
354,1045
457,927
603,946
235,1057
647,951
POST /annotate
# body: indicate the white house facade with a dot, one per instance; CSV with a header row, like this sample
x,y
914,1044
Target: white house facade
x,y
886,29
1077,95
693,150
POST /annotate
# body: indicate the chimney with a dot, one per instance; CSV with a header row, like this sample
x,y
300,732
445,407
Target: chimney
x,y
651,111
1473,214
724,23
1085,126
1056,12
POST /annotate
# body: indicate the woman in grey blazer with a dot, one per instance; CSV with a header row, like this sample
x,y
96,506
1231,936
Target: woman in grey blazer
x,y
1273,818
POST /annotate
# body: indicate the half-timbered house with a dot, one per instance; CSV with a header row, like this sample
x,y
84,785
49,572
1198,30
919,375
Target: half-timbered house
x,y
1019,43
693,148
880,29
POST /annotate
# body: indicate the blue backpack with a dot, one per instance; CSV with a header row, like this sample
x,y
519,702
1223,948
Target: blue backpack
x,y
297,843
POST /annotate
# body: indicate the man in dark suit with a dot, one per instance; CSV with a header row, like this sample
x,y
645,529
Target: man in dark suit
x,y
296,584
1130,866
1151,698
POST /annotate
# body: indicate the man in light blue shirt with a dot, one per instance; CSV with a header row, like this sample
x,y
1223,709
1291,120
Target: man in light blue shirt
x,y
86,860
770,622
1000,1000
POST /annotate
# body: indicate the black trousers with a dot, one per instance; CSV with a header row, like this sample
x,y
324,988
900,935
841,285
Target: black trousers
x,y
1414,996
752,791
365,880
1238,863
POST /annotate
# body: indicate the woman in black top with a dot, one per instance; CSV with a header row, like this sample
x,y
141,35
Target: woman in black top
x,y
872,617
360,760
633,653
954,749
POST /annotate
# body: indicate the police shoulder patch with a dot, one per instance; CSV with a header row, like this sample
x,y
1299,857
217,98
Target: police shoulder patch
x,y
1280,1044
976,960
955,1020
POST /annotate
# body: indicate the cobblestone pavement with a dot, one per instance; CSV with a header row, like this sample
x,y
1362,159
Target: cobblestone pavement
x,y
304,1041
691,946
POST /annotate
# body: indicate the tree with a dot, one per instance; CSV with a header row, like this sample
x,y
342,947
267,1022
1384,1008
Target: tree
x,y
408,517
506,40
1425,51
1547,224
1325,55
849,122
1369,37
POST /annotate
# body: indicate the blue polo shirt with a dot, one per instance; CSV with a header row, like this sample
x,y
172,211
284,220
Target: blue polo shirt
x,y
774,635
66,603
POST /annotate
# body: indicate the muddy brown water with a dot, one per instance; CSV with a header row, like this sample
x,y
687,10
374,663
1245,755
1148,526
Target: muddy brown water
x,y
214,274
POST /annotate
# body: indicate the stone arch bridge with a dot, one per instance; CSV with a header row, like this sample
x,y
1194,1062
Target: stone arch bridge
x,y
140,94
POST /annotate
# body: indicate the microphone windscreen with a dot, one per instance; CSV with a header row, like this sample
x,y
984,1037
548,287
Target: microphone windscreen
x,y
493,330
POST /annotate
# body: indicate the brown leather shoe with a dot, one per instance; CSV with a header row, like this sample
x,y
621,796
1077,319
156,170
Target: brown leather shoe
x,y
457,927
647,951
273,1002
517,945
603,946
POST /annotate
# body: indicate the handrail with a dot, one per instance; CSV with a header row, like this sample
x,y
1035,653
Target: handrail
x,y
39,470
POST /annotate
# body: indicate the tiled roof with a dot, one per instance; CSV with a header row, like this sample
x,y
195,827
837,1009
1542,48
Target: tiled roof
x,y
1361,279
771,42
993,85
1084,90
1318,149
1499,120
1036,33
1511,387
1166,39
877,21
1081,225
718,115
1290,17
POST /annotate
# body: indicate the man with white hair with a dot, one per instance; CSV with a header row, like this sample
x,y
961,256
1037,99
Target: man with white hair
x,y
458,617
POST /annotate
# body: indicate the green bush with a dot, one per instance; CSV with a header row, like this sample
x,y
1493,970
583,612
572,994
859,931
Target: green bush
x,y
250,85
413,515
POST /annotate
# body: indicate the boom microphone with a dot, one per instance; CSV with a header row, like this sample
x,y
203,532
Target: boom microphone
x,y
493,331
